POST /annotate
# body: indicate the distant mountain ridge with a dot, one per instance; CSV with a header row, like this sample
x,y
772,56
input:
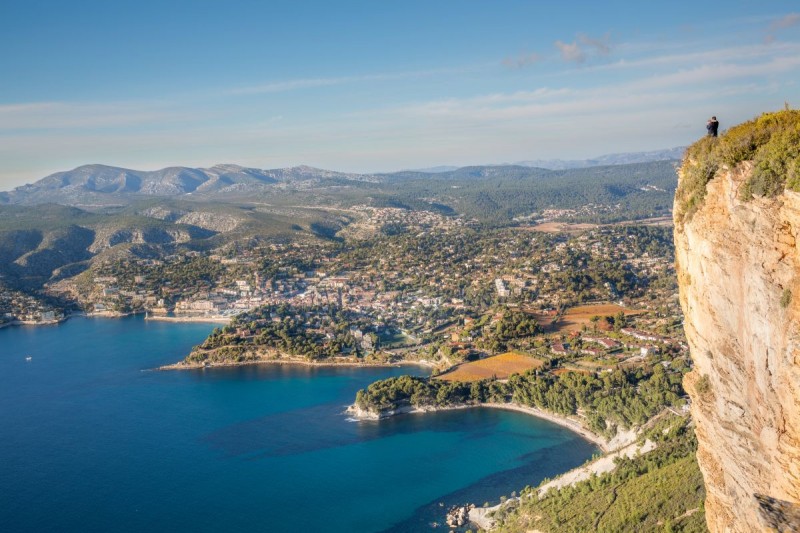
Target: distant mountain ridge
x,y
95,182
669,154
108,185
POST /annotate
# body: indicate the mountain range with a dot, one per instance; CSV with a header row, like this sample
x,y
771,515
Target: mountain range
x,y
98,213
90,184
96,184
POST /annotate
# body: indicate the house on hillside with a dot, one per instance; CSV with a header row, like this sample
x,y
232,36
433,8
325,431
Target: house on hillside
x,y
560,348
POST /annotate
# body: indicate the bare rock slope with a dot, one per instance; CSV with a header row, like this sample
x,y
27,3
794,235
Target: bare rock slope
x,y
739,275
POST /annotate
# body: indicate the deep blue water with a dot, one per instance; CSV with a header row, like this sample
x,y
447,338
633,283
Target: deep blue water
x,y
90,440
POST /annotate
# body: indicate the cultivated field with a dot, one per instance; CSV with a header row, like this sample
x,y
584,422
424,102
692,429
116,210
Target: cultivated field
x,y
500,366
575,318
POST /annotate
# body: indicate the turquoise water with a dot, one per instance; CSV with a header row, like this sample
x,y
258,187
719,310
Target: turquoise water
x,y
90,440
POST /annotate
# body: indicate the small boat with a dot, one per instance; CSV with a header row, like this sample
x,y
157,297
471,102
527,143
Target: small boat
x,y
28,358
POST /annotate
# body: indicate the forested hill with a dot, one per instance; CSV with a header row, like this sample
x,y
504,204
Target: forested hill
x,y
494,194
499,194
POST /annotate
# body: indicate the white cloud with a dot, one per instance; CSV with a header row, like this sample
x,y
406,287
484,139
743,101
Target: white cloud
x,y
571,51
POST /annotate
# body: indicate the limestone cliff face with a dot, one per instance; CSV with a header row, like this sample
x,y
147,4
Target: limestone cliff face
x,y
739,275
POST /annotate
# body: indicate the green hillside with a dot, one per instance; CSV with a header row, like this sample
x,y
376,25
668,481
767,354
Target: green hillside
x,y
49,242
661,491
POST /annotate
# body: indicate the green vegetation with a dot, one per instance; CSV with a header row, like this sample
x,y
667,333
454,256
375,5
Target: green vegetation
x,y
312,332
184,273
491,194
513,325
786,298
699,167
495,195
703,386
771,142
53,242
619,398
659,491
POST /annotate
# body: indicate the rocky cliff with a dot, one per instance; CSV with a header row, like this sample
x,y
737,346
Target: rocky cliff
x,y
739,275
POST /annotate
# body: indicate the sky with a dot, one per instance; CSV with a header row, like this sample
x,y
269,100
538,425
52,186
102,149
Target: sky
x,y
373,86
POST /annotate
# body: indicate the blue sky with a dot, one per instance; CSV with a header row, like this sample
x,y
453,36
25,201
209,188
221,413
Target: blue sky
x,y
378,85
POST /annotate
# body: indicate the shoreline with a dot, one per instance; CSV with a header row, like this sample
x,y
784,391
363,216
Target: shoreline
x,y
115,314
623,443
602,442
291,362
606,445
54,322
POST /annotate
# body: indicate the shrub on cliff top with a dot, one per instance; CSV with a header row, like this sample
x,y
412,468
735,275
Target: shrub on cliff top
x,y
700,163
771,141
777,163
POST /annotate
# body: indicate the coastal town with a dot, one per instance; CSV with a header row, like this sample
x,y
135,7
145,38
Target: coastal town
x,y
438,291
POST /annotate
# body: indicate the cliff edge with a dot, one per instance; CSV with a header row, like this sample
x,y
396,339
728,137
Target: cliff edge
x,y
737,223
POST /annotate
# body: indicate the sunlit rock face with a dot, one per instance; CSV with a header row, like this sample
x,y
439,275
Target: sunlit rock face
x,y
739,275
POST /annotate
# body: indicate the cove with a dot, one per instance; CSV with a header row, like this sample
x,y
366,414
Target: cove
x,y
92,440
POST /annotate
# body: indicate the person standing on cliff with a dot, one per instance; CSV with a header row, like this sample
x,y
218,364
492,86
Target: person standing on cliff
x,y
712,127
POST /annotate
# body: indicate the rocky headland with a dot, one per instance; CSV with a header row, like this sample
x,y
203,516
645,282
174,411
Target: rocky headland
x,y
737,223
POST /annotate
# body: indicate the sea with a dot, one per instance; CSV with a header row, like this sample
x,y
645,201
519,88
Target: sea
x,y
93,439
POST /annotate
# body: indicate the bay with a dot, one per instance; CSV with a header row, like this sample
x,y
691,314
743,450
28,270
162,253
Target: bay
x,y
92,439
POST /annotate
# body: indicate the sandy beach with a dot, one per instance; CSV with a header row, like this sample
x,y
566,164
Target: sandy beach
x,y
569,423
606,445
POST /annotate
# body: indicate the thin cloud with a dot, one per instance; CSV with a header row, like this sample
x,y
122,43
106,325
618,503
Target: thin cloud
x,y
722,55
639,95
523,60
308,83
714,74
571,51
579,50
291,85
64,115
601,45
9,110
787,21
